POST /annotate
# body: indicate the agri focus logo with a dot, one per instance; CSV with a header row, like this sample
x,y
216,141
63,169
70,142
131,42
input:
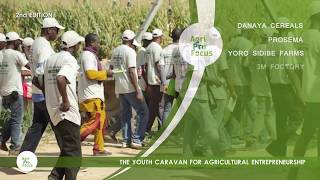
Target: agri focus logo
x,y
27,161
200,45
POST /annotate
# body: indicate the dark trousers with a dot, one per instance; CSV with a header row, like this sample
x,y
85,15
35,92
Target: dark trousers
x,y
40,121
68,138
288,116
311,125
154,99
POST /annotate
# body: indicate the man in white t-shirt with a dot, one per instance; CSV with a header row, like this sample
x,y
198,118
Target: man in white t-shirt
x,y
3,44
141,63
91,93
167,74
123,60
41,51
60,74
153,56
11,91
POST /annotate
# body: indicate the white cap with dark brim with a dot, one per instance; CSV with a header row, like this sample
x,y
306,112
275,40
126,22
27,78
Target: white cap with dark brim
x,y
12,36
147,36
157,33
70,38
136,43
28,41
128,35
51,22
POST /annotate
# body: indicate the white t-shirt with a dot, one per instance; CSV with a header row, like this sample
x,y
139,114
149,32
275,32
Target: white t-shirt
x,y
180,69
10,71
153,55
89,89
123,57
1,58
41,51
140,62
167,62
64,64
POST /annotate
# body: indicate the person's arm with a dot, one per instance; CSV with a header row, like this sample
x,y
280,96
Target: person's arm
x,y
145,73
62,87
227,76
66,75
134,80
133,75
96,75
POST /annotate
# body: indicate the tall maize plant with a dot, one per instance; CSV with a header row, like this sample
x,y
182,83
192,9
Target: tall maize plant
x,y
108,21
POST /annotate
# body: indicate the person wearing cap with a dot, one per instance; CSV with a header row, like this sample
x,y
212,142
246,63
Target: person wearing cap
x,y
260,87
140,67
26,50
141,60
41,51
123,60
60,74
26,47
170,53
26,73
239,72
153,55
310,86
3,44
286,94
91,93
11,91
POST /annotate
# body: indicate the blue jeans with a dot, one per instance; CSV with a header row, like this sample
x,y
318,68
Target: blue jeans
x,y
12,127
127,101
40,121
165,106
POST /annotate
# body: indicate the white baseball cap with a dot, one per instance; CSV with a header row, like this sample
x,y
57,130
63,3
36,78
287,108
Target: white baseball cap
x,y
136,43
128,35
2,38
27,41
51,22
70,38
12,36
314,8
157,33
147,36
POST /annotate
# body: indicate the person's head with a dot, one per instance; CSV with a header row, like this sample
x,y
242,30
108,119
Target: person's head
x,y
157,35
175,34
71,41
146,39
13,40
128,37
3,41
92,40
314,15
50,28
26,44
135,45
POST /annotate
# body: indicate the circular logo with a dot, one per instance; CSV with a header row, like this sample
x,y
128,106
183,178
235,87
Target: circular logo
x,y
200,45
27,161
